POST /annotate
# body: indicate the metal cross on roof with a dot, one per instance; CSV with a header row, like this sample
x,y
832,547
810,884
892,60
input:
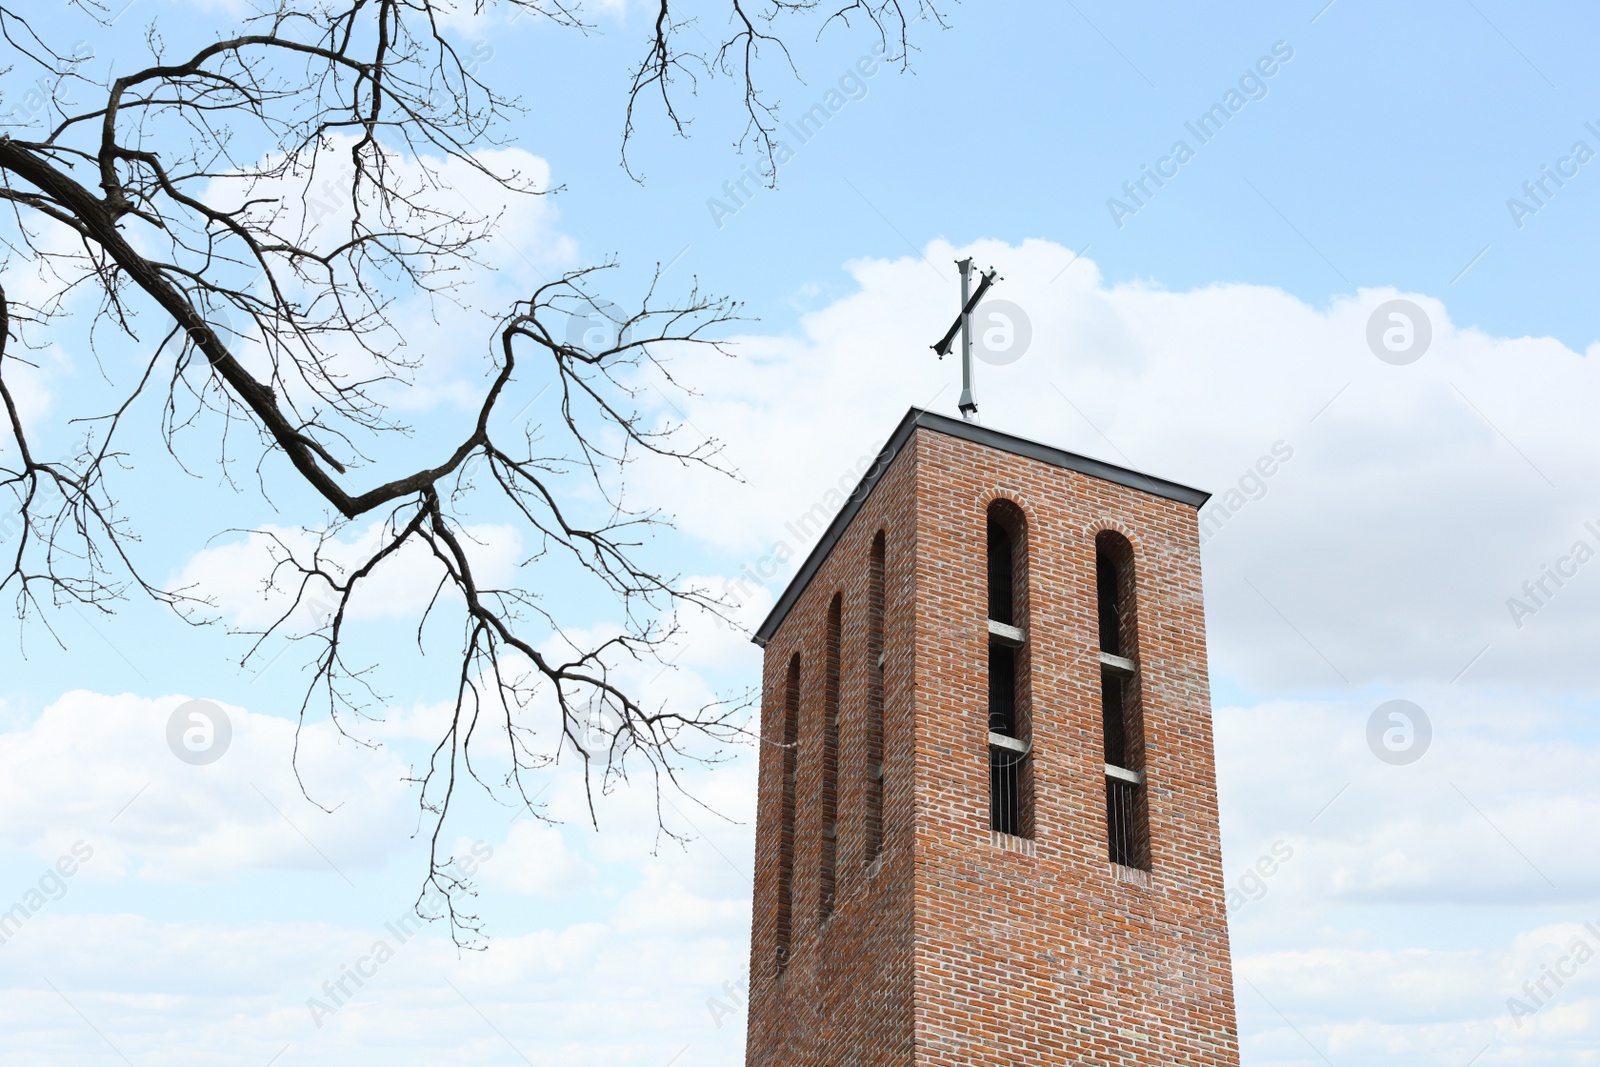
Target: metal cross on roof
x,y
968,403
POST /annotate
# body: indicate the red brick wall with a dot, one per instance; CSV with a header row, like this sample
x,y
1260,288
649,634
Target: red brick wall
x,y
948,949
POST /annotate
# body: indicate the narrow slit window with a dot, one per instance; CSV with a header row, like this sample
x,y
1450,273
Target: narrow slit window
x,y
874,731
791,754
829,851
1105,581
1009,745
1127,797
1002,572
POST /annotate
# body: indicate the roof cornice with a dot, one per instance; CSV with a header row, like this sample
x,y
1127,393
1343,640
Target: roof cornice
x,y
917,418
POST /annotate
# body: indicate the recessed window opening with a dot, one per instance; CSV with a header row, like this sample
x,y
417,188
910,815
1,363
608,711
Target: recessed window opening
x,y
829,850
1002,572
791,762
874,731
1127,799
1010,781
1105,580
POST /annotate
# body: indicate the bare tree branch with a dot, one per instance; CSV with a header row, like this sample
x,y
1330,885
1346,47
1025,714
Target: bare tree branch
x,y
192,194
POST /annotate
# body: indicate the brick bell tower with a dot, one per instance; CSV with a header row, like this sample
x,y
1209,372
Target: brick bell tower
x,y
987,826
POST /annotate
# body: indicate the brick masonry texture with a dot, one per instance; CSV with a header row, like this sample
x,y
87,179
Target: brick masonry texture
x,y
950,949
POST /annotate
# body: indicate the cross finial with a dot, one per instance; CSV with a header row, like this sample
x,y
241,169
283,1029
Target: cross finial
x,y
969,300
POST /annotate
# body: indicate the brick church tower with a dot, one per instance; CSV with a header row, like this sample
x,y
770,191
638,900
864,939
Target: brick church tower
x,y
987,828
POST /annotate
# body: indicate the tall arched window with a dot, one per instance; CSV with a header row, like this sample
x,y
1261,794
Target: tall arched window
x,y
1127,800
1010,785
874,731
791,757
828,858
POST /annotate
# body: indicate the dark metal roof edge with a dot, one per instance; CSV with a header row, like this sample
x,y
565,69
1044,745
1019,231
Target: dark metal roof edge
x,y
981,435
1060,457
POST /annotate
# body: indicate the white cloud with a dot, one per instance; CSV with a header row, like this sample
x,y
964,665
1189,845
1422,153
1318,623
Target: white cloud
x,y
720,640
535,861
440,343
552,984
97,768
1375,541
313,202
243,991
1423,1006
668,908
251,590
1465,825
1413,899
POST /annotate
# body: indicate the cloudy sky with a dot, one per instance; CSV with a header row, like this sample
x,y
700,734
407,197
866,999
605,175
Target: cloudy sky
x,y
1234,319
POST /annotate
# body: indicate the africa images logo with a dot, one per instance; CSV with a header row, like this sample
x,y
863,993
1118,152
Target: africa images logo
x,y
1002,332
1399,332
1399,732
199,732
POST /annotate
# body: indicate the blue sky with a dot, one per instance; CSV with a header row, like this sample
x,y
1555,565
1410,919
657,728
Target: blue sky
x,y
1224,320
